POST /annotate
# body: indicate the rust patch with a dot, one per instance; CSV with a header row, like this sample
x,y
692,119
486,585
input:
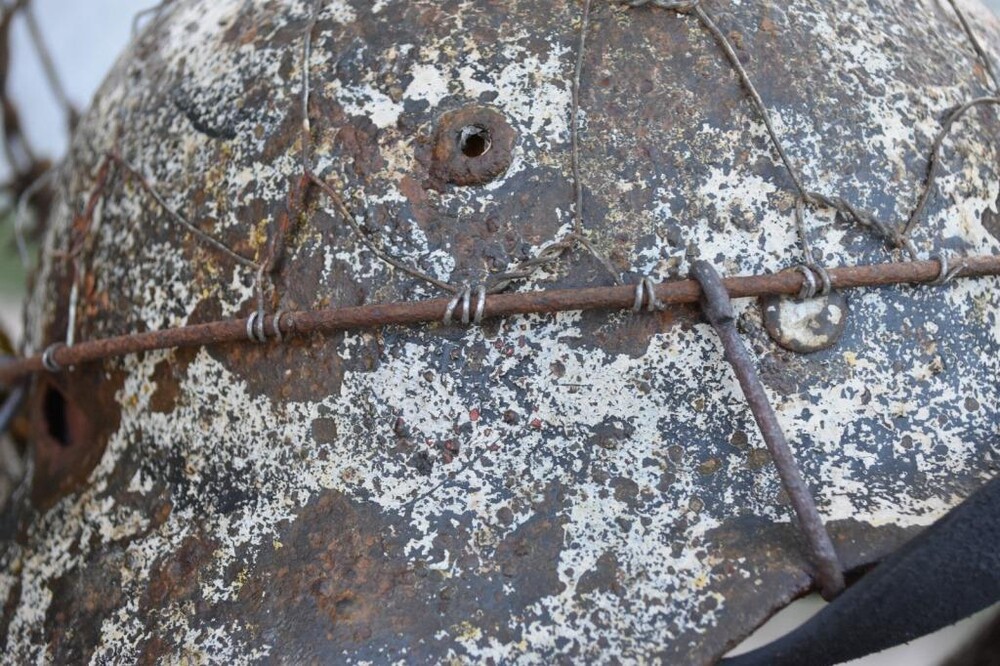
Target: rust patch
x,y
605,576
71,424
358,141
167,391
92,592
177,576
351,590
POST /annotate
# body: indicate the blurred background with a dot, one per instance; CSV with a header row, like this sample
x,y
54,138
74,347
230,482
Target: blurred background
x,y
83,38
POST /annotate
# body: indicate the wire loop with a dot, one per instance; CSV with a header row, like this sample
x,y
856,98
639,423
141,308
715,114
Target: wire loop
x,y
49,359
464,297
480,305
645,296
809,285
255,327
276,325
948,272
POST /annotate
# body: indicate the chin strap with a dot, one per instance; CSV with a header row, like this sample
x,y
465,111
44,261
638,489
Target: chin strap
x,y
945,574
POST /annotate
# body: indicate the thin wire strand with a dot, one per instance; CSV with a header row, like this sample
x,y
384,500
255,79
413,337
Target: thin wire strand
x,y
71,309
345,213
575,124
143,13
976,45
579,231
800,223
21,215
806,196
180,219
306,83
275,249
934,163
751,90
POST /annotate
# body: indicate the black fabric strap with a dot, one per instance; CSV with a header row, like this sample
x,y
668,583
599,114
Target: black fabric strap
x,y
948,572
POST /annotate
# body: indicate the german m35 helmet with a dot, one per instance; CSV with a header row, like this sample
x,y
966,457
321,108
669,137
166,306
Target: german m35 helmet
x,y
425,480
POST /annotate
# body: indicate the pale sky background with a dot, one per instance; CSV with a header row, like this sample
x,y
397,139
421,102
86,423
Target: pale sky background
x,y
86,36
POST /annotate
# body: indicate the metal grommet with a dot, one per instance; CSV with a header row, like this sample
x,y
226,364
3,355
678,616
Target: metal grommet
x,y
480,305
276,325
48,357
808,289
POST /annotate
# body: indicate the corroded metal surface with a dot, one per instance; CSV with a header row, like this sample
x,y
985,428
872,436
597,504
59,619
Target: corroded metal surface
x,y
582,486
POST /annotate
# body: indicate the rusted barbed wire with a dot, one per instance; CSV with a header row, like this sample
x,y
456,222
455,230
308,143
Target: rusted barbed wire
x,y
499,305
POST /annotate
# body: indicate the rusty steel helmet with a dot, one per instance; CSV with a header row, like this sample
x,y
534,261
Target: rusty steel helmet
x,y
573,481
